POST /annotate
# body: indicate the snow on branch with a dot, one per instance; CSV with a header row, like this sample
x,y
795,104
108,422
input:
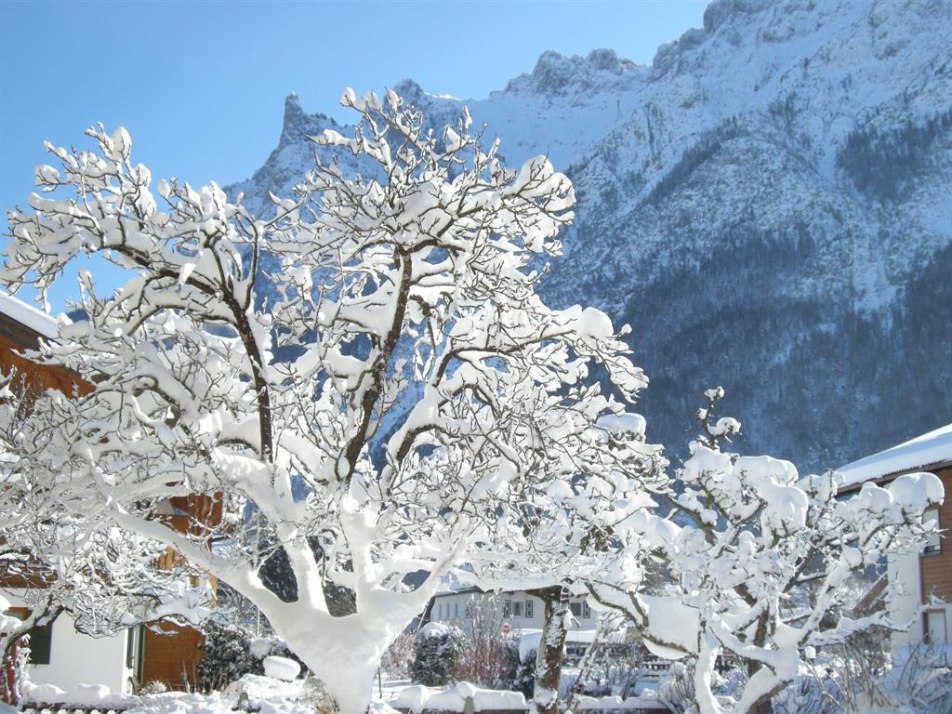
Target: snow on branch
x,y
761,561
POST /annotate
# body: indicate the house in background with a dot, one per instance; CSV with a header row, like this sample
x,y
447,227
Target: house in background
x,y
925,579
60,655
514,611
519,617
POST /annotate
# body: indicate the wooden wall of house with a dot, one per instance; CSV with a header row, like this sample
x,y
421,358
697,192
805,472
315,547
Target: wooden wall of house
x,y
31,377
196,514
170,654
29,380
936,569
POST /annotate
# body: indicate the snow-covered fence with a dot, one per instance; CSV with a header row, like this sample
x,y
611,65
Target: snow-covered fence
x,y
463,698
80,699
631,705
56,709
651,667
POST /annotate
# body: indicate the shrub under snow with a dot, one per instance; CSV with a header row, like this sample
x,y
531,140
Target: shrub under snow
x,y
437,651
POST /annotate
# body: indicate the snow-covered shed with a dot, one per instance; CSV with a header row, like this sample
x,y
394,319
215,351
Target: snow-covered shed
x,y
925,600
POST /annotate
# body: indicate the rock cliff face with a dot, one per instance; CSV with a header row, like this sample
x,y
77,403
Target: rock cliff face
x,y
769,205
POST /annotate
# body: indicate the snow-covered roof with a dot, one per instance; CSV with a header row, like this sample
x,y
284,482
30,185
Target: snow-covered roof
x,y
28,315
926,450
460,590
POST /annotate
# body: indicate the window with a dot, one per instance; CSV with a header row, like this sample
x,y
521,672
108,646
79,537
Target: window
x,y
455,610
933,545
935,630
439,610
507,609
581,610
41,640
134,649
529,607
517,608
130,647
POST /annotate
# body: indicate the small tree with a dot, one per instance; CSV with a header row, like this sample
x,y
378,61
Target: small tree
x,y
398,657
226,657
759,560
525,677
370,368
53,562
486,660
556,539
103,582
14,655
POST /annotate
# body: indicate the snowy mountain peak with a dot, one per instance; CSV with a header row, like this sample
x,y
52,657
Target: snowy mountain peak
x,y
767,206
292,107
409,91
721,11
557,75
297,125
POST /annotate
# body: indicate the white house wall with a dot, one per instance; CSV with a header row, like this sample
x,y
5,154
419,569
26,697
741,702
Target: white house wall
x,y
904,607
76,658
451,609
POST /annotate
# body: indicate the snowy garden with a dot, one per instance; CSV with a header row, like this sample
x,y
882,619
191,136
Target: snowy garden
x,y
361,397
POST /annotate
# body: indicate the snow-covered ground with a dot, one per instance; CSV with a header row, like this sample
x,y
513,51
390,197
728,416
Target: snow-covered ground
x,y
299,696
251,692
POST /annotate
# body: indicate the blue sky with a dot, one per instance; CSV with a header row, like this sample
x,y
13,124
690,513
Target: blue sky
x,y
201,85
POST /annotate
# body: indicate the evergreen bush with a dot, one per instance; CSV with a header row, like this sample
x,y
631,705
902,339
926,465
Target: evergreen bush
x,y
436,654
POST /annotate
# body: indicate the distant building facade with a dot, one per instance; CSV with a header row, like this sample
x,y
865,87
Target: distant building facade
x,y
923,598
514,611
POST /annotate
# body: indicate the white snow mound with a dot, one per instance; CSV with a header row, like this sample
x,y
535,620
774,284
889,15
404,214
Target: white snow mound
x,y
287,670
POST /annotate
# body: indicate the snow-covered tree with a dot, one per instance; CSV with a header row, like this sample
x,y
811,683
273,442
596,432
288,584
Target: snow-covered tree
x,y
760,560
369,371
13,659
489,656
55,561
554,540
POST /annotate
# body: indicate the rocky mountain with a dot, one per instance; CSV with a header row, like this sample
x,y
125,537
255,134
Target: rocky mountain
x,y
769,205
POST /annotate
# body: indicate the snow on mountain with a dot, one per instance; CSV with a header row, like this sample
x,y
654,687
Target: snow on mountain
x,y
289,162
767,204
559,109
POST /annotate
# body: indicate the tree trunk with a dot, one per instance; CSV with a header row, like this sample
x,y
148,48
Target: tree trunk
x,y
762,705
585,666
551,646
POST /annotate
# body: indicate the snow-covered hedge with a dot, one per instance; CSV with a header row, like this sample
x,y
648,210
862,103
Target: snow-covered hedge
x,y
436,654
